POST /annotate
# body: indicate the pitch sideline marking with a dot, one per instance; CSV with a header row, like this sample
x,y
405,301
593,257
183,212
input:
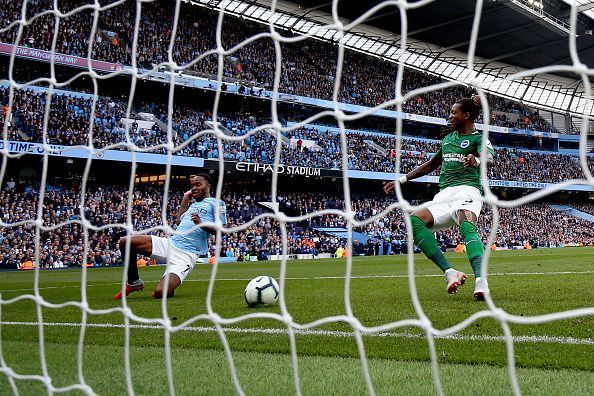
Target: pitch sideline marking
x,y
326,278
341,334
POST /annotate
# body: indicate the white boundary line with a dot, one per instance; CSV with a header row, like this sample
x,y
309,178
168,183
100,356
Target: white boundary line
x,y
327,278
341,334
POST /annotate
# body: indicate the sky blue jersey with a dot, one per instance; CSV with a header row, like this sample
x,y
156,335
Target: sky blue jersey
x,y
197,240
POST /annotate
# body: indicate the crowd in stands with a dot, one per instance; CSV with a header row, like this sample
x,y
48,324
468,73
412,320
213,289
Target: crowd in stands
x,y
70,117
63,239
308,67
536,224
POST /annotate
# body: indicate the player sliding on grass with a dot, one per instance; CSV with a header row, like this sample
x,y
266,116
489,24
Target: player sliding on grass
x,y
181,250
459,199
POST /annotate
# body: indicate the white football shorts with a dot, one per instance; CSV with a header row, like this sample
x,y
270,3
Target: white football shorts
x,y
445,205
179,262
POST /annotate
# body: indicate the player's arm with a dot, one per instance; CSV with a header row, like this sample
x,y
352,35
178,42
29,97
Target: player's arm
x,y
472,160
211,229
183,208
475,160
424,169
420,171
197,220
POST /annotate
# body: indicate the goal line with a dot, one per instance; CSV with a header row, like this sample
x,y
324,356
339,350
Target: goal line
x,y
541,339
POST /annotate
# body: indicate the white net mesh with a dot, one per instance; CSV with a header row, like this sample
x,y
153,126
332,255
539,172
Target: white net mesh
x,y
56,28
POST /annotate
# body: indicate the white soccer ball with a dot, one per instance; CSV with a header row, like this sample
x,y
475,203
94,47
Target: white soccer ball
x,y
262,290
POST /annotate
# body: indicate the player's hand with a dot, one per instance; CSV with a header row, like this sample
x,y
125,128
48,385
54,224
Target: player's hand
x,y
188,194
470,160
196,218
476,99
389,187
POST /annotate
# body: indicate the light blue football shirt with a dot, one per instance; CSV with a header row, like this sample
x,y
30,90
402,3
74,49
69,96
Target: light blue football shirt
x,y
197,241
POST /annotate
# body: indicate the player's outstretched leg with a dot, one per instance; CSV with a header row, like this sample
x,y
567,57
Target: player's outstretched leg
x,y
138,244
474,252
426,241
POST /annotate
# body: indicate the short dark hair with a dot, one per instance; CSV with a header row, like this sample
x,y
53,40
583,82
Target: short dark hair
x,y
205,176
468,105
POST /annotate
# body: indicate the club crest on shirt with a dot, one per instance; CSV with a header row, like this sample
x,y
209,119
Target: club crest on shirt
x,y
465,143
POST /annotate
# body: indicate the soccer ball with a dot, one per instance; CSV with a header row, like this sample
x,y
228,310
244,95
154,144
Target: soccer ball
x,y
262,290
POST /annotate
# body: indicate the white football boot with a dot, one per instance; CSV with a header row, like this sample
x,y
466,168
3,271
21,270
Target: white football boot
x,y
454,280
480,289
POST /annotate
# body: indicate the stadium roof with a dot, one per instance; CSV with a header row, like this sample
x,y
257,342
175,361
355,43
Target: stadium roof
x,y
514,36
524,33
584,6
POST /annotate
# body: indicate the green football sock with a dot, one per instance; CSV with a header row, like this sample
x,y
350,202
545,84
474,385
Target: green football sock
x,y
474,246
425,240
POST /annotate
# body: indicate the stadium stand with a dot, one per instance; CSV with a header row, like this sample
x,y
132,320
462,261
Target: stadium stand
x,y
106,204
70,116
307,70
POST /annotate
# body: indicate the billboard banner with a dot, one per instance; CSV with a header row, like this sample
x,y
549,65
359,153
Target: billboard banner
x,y
60,59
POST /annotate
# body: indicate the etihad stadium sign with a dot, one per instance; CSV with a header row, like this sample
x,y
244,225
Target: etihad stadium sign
x,y
281,169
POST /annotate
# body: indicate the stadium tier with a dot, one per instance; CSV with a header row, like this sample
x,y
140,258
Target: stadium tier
x,y
106,204
70,115
307,68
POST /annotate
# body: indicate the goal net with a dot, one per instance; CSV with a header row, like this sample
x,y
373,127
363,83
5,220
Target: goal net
x,y
77,86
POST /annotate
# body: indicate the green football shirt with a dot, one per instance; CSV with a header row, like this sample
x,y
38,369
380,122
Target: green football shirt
x,y
454,148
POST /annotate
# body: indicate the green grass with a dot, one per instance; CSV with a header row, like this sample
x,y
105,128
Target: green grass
x,y
399,362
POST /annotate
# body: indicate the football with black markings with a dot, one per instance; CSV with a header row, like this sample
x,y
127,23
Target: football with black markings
x,y
261,291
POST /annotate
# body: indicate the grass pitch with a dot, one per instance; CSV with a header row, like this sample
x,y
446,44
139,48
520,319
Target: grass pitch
x,y
552,358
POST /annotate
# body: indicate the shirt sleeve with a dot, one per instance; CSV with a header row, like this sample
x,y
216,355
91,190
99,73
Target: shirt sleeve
x,y
223,214
479,148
